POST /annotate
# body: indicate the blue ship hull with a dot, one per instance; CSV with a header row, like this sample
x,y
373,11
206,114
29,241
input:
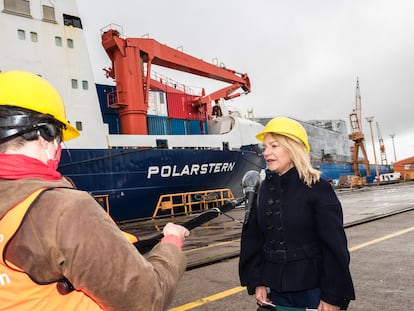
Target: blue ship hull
x,y
332,171
134,179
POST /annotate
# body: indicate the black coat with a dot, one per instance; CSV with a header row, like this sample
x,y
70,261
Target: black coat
x,y
294,240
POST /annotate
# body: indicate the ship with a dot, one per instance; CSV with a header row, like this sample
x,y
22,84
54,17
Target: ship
x,y
142,135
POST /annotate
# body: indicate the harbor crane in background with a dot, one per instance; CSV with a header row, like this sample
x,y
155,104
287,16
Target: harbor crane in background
x,y
377,177
383,155
393,146
357,136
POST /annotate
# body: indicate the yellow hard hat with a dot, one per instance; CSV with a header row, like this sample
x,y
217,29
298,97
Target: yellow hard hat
x,y
27,90
287,127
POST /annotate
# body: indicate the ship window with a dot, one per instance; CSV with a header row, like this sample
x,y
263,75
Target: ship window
x,y
74,84
21,7
58,41
161,98
78,125
21,34
85,85
226,145
33,36
49,13
70,43
162,143
74,21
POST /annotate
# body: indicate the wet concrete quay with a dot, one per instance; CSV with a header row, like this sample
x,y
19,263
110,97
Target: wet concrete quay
x,y
379,223
382,266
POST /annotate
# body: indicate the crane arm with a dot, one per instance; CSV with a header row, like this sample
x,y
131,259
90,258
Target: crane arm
x,y
132,60
225,93
164,56
152,52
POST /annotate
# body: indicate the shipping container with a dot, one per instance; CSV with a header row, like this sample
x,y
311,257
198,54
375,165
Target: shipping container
x,y
178,126
180,106
177,106
158,125
197,127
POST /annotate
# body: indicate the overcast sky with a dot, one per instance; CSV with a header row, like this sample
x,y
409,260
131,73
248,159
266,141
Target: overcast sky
x,y
303,57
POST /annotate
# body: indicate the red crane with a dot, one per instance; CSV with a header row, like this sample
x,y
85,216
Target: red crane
x,y
132,59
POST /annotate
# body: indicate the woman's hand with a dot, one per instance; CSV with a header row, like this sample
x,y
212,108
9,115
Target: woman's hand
x,y
324,306
261,295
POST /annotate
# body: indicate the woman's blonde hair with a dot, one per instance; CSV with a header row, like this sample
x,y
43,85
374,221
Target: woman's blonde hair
x,y
300,158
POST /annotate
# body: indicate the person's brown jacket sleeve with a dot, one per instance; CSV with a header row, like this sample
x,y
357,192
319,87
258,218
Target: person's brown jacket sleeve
x,y
80,242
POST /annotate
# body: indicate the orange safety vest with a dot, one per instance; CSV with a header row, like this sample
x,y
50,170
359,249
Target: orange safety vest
x,y
17,291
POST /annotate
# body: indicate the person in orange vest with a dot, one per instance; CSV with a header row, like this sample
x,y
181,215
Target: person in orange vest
x,y
52,235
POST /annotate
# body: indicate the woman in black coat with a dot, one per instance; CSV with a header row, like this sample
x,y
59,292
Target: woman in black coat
x,y
293,243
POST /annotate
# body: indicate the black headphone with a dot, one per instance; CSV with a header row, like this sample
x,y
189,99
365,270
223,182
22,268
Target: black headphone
x,y
47,131
17,125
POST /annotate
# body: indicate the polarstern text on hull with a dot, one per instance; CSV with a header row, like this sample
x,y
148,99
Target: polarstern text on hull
x,y
166,171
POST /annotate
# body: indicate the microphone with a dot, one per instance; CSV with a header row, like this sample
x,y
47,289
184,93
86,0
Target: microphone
x,y
250,184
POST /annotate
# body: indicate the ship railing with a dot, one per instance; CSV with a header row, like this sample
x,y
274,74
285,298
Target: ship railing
x,y
112,100
189,202
172,83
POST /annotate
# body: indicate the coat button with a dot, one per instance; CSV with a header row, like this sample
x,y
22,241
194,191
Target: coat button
x,y
270,201
270,227
281,243
269,212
